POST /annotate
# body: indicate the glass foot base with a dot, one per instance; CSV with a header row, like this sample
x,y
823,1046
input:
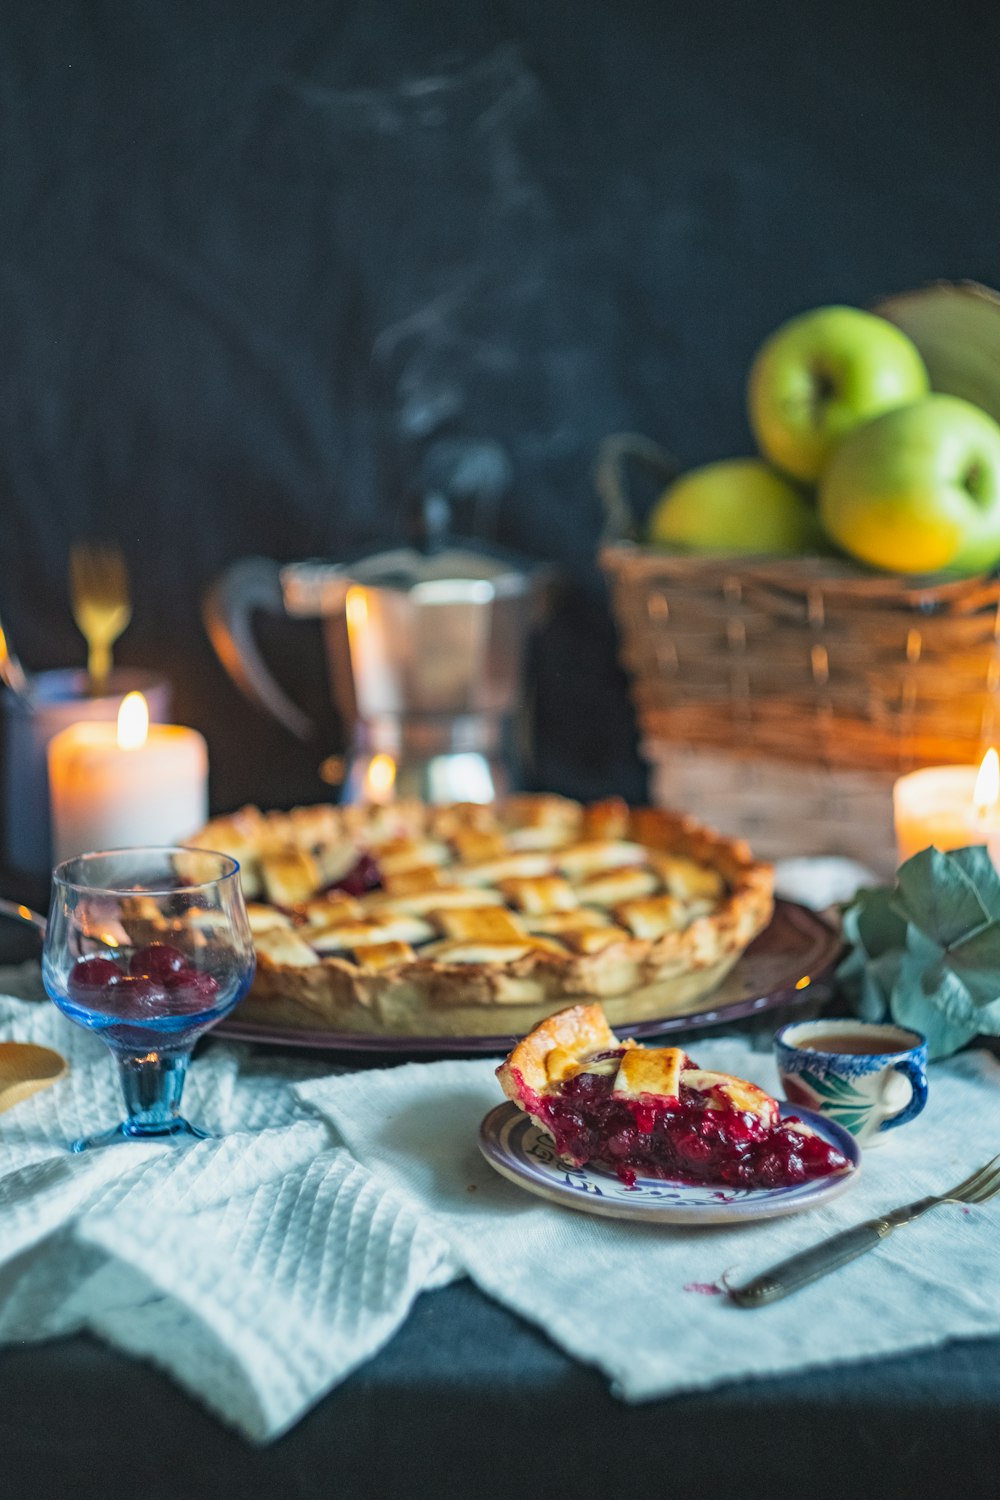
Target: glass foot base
x,y
179,1131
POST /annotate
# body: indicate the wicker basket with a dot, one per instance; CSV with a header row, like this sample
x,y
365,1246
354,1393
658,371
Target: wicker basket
x,y
780,698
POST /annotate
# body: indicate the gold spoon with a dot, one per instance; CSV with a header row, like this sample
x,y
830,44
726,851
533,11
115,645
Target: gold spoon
x,y
25,1069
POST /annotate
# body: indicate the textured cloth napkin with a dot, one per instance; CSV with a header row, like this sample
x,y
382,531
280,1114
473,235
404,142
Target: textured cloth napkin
x,y
258,1269
631,1298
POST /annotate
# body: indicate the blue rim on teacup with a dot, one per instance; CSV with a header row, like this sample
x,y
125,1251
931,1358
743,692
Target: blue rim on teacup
x,y
868,1093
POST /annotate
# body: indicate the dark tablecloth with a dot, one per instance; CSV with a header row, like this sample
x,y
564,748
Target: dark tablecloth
x,y
467,1401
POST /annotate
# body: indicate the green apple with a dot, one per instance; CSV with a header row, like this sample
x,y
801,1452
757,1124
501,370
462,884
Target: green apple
x,y
736,505
918,489
821,375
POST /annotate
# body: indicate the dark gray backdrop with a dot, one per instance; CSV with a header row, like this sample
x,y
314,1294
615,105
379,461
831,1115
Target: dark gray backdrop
x,y
258,259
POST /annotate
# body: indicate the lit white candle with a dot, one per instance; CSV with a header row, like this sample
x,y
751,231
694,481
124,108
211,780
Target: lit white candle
x,y
950,807
115,786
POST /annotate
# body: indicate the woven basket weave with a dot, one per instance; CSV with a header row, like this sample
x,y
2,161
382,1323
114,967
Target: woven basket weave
x,y
780,697
807,661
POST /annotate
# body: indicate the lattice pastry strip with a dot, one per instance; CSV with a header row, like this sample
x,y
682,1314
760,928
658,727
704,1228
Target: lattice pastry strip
x,y
345,937
290,876
436,899
403,855
379,956
475,845
580,861
478,924
617,886
653,916
540,894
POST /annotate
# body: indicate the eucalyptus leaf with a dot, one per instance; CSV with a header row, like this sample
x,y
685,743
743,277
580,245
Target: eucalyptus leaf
x,y
878,981
944,1033
934,1000
872,922
976,959
871,1001
936,894
975,862
927,951
923,949
943,990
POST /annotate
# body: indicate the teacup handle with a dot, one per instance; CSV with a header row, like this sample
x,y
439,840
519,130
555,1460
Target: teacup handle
x,y
916,1073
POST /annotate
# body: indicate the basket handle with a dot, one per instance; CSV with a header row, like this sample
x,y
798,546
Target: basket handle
x,y
614,456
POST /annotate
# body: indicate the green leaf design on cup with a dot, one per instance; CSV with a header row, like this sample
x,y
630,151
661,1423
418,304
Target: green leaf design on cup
x,y
839,1099
836,1090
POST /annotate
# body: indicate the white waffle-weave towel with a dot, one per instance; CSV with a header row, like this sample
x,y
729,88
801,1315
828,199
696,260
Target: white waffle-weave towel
x,y
258,1269
629,1297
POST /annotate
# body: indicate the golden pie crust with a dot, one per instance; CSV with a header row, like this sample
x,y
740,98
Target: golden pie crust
x,y
579,1038
488,918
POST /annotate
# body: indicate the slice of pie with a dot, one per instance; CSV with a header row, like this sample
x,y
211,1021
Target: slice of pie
x,y
650,1112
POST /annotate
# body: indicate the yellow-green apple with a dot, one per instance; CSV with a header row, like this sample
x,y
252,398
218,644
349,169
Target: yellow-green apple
x,y
918,489
822,374
736,505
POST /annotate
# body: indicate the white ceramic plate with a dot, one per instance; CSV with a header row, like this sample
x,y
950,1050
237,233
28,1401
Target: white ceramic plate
x,y
518,1150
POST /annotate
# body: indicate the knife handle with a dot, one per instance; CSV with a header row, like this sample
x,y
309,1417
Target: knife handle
x,y
809,1265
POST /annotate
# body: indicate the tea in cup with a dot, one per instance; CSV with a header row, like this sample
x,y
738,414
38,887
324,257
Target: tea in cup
x,y
867,1076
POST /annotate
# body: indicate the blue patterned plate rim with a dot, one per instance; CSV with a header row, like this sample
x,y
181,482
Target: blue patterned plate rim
x,y
525,1155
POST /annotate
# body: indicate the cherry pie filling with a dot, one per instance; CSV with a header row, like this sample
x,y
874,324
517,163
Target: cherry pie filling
x,y
697,1137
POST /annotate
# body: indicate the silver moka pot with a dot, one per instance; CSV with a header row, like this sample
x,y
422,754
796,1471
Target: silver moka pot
x,y
426,656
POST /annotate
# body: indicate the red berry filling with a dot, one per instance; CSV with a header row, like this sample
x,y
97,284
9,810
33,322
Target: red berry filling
x,y
363,876
698,1137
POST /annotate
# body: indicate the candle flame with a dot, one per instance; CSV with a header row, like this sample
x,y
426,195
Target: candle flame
x,y
987,792
380,778
133,722
356,609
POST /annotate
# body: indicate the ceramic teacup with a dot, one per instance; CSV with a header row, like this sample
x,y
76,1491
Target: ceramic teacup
x,y
867,1076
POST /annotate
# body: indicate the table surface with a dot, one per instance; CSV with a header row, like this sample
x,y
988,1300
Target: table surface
x,y
467,1400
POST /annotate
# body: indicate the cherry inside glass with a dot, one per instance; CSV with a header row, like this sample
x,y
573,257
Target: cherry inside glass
x,y
148,948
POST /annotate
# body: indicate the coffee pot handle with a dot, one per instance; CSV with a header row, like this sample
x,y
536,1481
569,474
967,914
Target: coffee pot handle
x,y
227,610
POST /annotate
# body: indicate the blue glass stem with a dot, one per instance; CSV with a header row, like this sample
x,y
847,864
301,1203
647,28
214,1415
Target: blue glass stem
x,y
152,1085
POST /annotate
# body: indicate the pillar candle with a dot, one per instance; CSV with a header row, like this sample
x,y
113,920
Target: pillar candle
x,y
110,790
939,806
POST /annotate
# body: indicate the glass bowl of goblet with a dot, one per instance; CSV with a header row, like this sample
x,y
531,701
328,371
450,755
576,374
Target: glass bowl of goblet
x,y
148,948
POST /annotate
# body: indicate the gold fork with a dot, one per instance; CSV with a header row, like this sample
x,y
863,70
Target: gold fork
x,y
809,1265
99,593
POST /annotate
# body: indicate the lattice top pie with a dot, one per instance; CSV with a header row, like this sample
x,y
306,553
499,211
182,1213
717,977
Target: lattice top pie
x,y
479,920
651,1112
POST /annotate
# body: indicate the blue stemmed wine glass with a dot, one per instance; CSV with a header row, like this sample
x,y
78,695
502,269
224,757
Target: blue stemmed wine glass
x,y
148,948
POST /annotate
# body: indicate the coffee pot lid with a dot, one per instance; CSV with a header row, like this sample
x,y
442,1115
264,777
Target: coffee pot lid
x,y
456,574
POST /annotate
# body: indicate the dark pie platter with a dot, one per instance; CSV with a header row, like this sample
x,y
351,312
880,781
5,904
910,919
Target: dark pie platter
x,y
780,968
